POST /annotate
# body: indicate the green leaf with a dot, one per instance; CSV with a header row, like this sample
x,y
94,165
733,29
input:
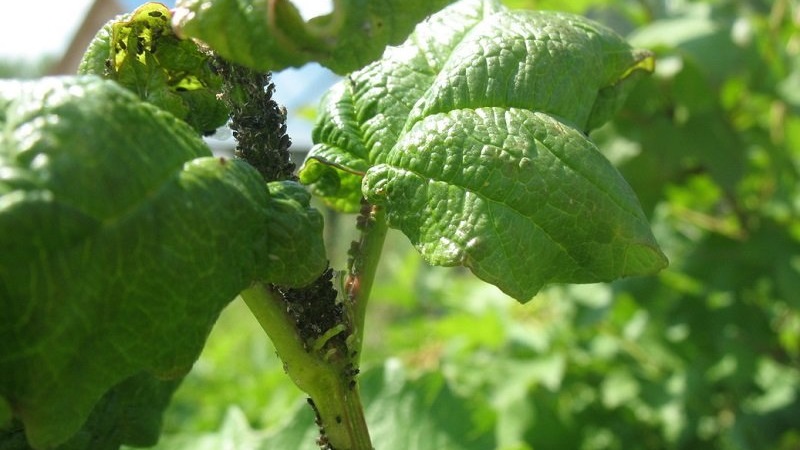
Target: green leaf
x,y
362,117
440,418
128,413
271,35
121,239
472,135
141,52
293,262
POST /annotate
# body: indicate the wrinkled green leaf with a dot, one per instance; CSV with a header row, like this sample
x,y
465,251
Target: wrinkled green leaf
x,y
141,52
271,35
472,136
121,239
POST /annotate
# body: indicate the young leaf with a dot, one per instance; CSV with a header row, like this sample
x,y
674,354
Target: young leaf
x,y
271,34
141,52
472,135
121,239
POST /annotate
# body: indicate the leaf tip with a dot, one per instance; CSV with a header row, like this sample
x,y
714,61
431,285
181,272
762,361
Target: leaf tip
x,y
643,260
644,60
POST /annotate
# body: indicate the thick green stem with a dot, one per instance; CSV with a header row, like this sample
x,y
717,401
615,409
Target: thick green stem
x,y
342,417
332,390
314,351
363,266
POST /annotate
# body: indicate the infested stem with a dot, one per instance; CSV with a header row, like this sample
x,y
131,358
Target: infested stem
x,y
332,390
257,121
269,310
307,326
341,418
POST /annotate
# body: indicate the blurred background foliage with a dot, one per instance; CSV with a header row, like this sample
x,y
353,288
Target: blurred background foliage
x,y
704,355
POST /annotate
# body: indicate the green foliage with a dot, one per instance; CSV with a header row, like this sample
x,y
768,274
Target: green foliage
x,y
121,240
709,146
706,354
271,35
487,174
134,239
439,418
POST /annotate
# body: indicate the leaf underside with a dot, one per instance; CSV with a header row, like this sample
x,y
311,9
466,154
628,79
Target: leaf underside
x,y
472,136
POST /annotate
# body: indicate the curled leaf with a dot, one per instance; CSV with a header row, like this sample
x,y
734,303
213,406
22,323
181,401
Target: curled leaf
x,y
141,52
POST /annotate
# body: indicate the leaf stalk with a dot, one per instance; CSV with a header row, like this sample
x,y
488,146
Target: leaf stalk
x,y
364,257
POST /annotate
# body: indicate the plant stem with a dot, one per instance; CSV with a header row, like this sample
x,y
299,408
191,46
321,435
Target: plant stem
x,y
332,390
342,418
315,353
362,268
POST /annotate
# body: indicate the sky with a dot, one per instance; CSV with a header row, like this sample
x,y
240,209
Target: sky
x,y
34,28
31,29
